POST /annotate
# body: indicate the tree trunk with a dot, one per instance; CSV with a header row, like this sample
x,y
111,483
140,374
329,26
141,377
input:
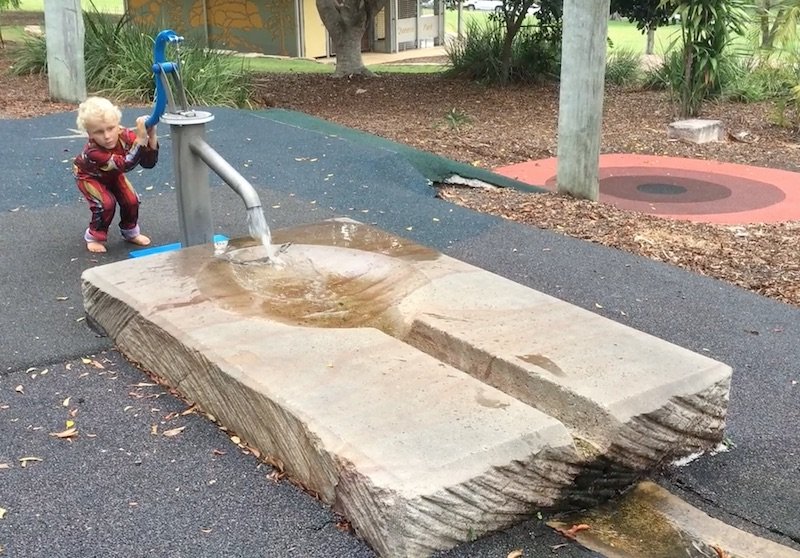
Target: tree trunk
x,y
580,113
513,23
505,58
346,22
651,40
763,19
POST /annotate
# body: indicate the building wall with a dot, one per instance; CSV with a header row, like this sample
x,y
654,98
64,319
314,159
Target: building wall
x,y
267,26
316,38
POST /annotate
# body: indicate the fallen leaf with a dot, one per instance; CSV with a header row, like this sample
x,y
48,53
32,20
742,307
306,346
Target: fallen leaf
x,y
720,553
62,298
19,389
86,360
276,463
70,423
65,403
68,433
97,365
572,531
154,429
236,440
217,452
189,410
174,431
3,512
515,554
276,476
206,530
23,461
143,384
5,466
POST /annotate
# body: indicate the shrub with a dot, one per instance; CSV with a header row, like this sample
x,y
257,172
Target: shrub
x,y
667,75
478,56
624,67
119,58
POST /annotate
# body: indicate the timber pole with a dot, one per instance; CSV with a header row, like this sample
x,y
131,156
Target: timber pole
x,y
63,32
580,114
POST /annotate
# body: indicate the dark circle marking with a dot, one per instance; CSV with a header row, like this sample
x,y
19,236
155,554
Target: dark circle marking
x,y
661,189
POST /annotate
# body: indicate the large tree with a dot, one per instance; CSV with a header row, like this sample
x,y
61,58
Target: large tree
x,y
346,21
648,15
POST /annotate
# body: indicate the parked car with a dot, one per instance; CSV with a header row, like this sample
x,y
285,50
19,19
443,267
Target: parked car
x,y
493,6
484,5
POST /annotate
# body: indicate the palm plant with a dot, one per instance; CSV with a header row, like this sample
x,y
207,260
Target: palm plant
x,y
708,28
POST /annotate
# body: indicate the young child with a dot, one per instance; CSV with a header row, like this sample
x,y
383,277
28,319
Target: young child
x,y
101,166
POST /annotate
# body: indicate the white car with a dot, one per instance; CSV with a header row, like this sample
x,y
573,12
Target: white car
x,y
484,5
492,6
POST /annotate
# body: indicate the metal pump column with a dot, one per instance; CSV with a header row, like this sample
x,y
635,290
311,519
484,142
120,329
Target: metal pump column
x,y
192,155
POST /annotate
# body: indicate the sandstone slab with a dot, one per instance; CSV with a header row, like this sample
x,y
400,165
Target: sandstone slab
x,y
427,400
696,130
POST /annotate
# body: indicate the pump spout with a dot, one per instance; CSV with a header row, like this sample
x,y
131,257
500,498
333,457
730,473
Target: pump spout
x,y
226,172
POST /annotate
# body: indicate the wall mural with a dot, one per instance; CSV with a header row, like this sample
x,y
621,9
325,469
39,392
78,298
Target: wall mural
x,y
244,25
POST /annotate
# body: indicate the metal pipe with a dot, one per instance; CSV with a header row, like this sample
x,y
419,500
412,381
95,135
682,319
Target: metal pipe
x,y
226,172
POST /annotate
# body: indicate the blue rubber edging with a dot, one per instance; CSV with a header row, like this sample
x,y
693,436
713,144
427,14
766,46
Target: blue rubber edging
x,y
167,248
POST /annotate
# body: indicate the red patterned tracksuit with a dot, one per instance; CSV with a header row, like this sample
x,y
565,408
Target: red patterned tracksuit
x,y
100,175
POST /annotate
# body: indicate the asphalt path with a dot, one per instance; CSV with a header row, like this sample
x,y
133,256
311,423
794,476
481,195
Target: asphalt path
x,y
125,491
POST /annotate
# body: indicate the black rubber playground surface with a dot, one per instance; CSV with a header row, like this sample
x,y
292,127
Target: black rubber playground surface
x,y
118,490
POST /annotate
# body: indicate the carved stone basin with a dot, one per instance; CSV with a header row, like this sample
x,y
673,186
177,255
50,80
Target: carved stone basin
x,y
313,285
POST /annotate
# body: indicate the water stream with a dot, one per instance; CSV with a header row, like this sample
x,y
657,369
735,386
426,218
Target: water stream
x,y
259,230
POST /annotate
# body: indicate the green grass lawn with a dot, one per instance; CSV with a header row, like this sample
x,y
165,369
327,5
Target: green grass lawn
x,y
106,6
300,65
623,35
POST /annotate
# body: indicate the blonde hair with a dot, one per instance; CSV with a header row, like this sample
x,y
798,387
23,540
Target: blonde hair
x,y
96,109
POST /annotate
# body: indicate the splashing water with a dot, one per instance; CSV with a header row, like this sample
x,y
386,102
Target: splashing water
x,y
259,230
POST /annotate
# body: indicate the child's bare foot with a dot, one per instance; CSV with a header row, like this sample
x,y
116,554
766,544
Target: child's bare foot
x,y
139,240
96,247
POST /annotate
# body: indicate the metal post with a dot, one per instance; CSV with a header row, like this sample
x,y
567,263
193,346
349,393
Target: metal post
x,y
191,176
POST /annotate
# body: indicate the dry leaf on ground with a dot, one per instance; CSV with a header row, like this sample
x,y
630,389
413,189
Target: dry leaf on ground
x,y
572,531
173,431
68,433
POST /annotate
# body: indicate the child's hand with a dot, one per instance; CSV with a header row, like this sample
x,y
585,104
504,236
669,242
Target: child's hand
x,y
152,137
141,132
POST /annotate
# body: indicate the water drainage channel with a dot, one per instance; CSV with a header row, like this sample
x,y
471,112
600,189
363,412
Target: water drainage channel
x,y
650,522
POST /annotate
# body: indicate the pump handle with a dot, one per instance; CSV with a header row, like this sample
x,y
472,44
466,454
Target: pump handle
x,y
160,67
